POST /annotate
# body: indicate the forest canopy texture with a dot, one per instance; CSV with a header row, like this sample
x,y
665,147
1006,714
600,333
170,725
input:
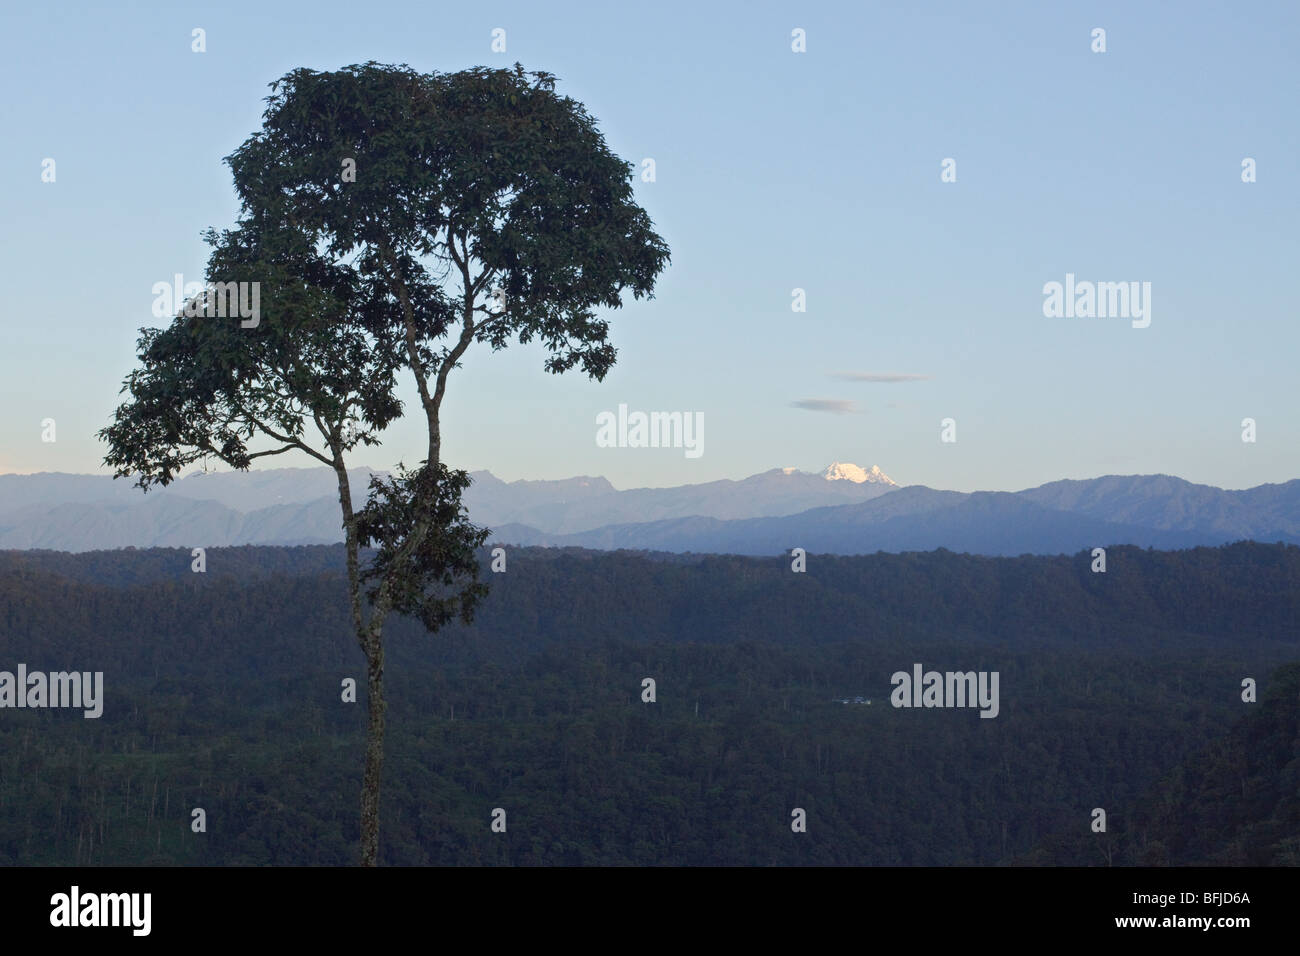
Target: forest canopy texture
x,y
222,691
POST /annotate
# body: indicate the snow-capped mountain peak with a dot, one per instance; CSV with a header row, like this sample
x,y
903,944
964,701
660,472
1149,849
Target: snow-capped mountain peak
x,y
847,471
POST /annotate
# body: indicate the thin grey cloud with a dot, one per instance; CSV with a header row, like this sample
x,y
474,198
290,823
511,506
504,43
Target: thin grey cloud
x,y
836,406
889,378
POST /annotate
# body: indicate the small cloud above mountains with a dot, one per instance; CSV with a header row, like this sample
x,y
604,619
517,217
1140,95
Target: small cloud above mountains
x,y
836,406
888,378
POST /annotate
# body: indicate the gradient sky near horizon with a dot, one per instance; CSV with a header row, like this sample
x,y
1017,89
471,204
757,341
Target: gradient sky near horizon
x,y
775,170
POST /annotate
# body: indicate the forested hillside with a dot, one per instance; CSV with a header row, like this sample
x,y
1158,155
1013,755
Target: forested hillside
x,y
223,692
1236,802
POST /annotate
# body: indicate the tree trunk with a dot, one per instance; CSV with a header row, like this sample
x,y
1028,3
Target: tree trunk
x,y
369,634
374,753
372,647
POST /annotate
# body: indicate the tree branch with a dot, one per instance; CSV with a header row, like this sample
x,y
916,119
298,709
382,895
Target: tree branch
x,y
278,451
412,352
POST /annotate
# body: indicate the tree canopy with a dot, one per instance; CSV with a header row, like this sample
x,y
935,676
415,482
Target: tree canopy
x,y
390,220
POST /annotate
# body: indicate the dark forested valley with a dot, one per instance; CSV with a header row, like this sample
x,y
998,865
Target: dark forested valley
x,y
1119,690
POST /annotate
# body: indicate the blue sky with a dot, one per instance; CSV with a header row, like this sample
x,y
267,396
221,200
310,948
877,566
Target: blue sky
x,y
775,170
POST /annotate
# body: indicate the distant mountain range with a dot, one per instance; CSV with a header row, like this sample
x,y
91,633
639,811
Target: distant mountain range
x,y
586,504
845,509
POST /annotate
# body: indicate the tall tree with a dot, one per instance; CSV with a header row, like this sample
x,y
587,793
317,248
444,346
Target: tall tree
x,y
391,220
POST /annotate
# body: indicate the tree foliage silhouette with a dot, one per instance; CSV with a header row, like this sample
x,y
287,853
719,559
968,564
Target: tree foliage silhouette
x,y
392,220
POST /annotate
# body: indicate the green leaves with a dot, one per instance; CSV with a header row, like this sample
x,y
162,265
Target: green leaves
x,y
208,386
468,181
420,580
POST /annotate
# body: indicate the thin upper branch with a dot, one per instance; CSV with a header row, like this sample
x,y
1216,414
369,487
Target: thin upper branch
x,y
278,451
412,350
